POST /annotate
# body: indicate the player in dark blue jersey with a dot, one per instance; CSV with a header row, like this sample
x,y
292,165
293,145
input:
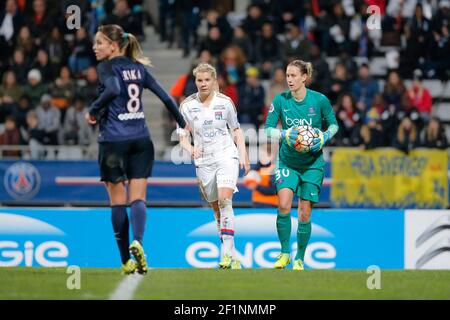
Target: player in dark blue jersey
x,y
125,149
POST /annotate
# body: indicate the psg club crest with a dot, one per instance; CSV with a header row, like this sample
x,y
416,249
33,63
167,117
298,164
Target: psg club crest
x,y
22,181
219,115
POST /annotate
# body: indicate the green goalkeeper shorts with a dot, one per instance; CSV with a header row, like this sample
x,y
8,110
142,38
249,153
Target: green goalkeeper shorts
x,y
306,184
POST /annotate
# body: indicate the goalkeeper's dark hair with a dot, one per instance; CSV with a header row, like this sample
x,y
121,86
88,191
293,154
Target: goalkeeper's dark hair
x,y
305,67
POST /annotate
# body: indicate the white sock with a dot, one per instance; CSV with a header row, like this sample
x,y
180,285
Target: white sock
x,y
227,226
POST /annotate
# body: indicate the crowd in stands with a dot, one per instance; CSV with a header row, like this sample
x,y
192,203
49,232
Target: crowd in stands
x,y
251,54
48,74
47,71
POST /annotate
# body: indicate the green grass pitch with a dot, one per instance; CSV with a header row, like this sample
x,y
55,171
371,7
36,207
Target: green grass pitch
x,y
210,284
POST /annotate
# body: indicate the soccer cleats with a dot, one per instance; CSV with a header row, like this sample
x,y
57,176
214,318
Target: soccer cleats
x,y
235,265
298,265
138,253
129,267
283,260
225,263
228,263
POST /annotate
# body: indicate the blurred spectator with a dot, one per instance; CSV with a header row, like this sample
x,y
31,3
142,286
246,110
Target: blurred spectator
x,y
419,95
287,13
25,42
407,136
418,34
57,49
434,135
339,31
20,66
123,16
184,86
10,137
11,20
296,45
349,119
264,192
362,39
389,122
394,88
277,85
80,59
438,65
62,90
251,99
167,21
371,131
33,136
34,88
364,88
241,39
252,24
215,19
49,120
321,75
40,21
339,83
88,87
76,131
10,90
190,16
349,64
227,88
214,42
20,112
207,57
43,65
232,64
268,51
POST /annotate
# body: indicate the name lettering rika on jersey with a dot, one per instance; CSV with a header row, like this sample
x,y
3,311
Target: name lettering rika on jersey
x,y
132,74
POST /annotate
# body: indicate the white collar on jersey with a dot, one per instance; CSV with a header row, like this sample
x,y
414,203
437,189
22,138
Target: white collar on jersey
x,y
200,101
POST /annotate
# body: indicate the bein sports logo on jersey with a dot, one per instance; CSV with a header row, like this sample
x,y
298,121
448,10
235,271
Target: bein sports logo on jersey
x,y
298,122
22,181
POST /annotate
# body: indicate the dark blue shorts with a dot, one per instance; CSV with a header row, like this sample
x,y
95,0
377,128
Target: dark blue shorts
x,y
124,160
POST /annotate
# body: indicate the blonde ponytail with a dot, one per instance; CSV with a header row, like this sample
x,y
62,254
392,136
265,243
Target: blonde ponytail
x,y
127,42
134,51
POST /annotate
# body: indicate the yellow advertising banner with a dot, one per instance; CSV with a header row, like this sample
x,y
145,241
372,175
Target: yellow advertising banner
x,y
389,178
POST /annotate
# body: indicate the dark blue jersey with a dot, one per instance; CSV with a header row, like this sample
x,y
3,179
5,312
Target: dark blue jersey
x,y
119,108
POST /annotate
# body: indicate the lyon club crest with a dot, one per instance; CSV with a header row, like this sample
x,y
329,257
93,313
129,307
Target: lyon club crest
x,y
22,180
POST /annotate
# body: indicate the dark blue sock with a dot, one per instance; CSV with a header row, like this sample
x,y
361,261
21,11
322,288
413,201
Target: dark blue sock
x,y
138,218
120,224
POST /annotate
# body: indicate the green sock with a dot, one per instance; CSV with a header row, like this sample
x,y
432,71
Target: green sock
x,y
303,235
284,231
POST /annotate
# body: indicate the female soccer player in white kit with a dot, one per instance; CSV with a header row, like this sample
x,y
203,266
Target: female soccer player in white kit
x,y
217,153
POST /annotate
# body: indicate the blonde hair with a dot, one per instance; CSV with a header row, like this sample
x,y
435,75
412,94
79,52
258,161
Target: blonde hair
x,y
205,67
126,41
305,67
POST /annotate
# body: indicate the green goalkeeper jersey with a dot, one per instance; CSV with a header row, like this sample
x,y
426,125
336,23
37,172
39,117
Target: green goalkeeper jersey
x,y
314,110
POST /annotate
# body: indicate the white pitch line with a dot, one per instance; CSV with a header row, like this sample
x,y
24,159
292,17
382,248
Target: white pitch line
x,y
126,288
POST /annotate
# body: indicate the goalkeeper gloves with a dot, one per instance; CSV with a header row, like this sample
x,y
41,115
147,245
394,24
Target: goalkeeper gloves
x,y
290,136
319,142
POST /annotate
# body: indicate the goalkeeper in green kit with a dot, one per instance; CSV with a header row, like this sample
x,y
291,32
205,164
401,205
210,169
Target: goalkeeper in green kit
x,y
299,173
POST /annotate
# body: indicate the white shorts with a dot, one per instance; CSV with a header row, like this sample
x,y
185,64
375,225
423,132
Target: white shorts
x,y
223,174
